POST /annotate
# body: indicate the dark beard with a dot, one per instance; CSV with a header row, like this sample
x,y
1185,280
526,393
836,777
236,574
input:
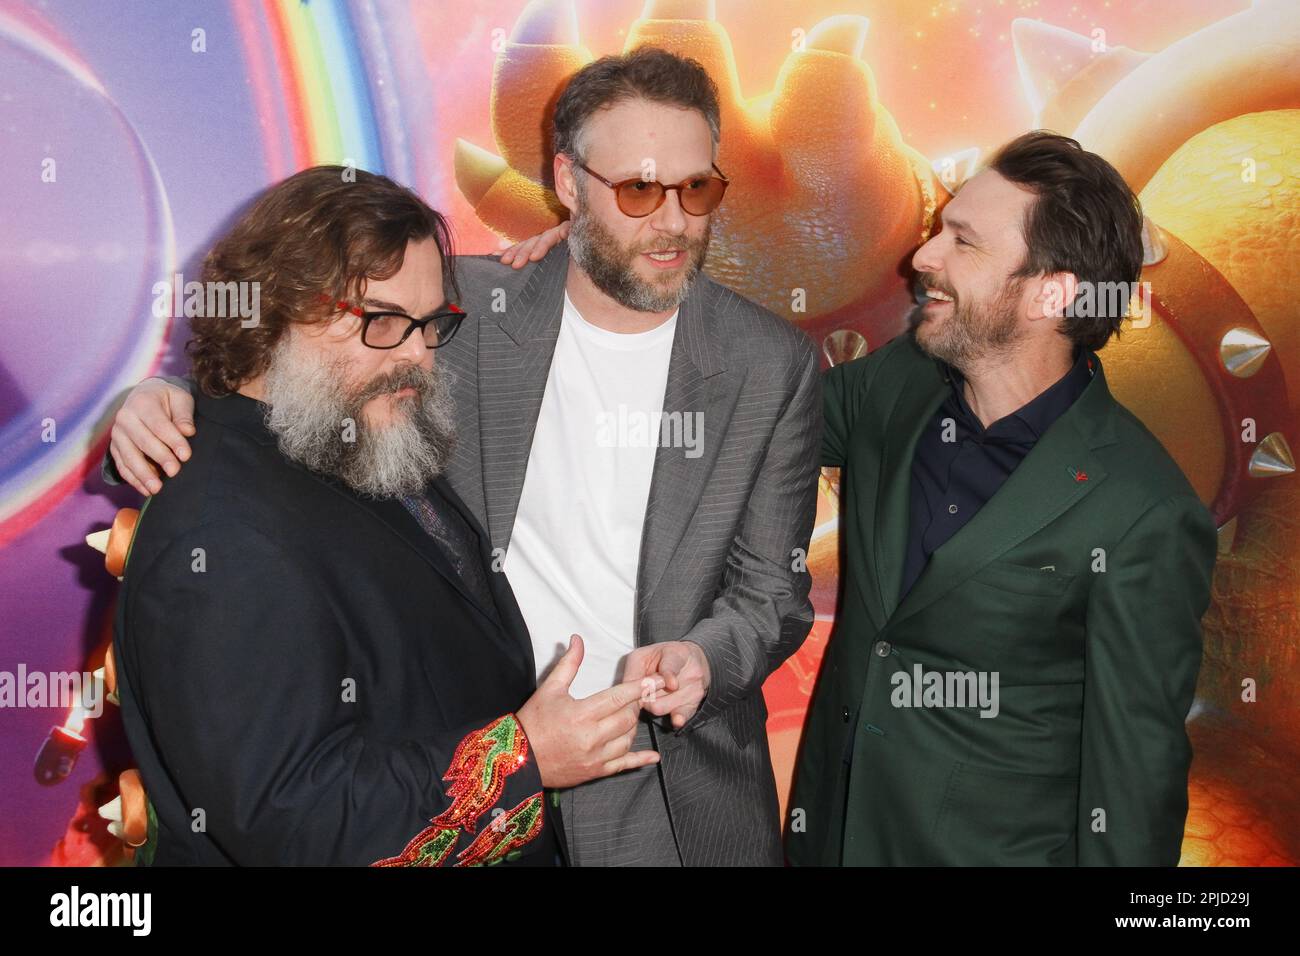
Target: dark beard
x,y
320,425
609,264
973,334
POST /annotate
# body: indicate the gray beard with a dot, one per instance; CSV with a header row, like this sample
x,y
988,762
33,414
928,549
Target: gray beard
x,y
309,413
609,265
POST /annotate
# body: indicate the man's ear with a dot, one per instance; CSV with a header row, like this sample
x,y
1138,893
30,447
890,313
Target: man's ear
x,y
1053,294
566,188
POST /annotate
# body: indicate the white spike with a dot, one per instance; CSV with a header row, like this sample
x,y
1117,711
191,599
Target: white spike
x,y
99,540
1047,57
844,33
112,810
955,168
1155,248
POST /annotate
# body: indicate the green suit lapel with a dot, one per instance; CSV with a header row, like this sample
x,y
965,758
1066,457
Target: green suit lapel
x,y
1057,474
922,393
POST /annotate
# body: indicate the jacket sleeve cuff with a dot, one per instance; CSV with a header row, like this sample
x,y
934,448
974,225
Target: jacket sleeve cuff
x,y
491,775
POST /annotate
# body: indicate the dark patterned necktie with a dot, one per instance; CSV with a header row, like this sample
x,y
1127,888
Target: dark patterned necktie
x,y
457,540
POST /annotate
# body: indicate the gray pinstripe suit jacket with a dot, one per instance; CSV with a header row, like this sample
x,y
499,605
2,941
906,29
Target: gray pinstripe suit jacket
x,y
723,531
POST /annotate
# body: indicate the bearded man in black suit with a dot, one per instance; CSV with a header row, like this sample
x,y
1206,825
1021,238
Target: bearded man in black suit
x,y
317,663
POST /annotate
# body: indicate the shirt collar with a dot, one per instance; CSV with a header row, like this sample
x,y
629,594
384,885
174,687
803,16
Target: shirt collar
x,y
1037,415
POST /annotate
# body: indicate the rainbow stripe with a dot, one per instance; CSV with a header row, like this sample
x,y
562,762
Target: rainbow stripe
x,y
310,78
310,65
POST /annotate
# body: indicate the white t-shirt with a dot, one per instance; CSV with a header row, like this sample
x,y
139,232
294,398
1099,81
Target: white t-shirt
x,y
576,542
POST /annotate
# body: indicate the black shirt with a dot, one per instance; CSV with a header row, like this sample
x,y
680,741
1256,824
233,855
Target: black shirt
x,y
951,480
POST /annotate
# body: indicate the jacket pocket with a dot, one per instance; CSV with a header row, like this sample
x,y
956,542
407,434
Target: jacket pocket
x,y
1001,818
1021,579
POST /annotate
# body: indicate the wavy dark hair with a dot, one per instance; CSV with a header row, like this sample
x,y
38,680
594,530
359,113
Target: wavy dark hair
x,y
309,241
1085,220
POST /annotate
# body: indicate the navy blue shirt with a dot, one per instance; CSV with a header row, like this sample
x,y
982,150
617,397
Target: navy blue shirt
x,y
951,480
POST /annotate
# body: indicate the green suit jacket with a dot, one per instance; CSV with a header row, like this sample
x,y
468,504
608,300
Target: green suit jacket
x,y
1080,585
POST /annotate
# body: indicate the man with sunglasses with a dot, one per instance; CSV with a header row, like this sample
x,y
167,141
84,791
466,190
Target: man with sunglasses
x,y
637,440
316,664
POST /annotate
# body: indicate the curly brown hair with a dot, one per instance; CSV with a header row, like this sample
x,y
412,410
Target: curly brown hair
x,y
308,242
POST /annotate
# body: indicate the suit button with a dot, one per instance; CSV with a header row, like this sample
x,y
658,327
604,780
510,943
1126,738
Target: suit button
x,y
845,714
883,648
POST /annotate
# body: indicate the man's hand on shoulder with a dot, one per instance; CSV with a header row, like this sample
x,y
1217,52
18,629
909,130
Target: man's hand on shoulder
x,y
149,433
535,247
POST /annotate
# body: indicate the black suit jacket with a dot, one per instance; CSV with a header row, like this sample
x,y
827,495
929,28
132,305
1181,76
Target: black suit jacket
x,y
305,679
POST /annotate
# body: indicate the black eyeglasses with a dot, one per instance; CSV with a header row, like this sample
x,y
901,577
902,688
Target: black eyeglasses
x,y
638,198
388,330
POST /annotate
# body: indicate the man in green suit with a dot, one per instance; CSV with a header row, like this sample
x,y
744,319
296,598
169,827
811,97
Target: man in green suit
x,y
1025,567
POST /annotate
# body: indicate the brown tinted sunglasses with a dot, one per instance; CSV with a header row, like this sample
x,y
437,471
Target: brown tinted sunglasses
x,y
638,198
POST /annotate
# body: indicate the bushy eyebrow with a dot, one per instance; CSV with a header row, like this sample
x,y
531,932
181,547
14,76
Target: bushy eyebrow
x,y
394,307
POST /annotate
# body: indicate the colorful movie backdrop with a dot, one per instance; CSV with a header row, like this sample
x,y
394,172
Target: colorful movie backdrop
x,y
131,133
